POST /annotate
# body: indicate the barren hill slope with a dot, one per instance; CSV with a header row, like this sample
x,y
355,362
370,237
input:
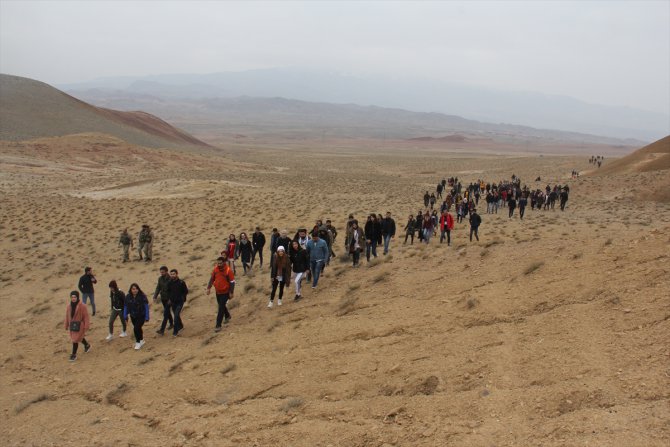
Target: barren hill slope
x,y
32,109
653,157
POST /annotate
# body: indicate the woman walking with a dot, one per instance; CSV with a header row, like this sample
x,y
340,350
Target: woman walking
x,y
300,263
137,307
279,273
409,229
117,298
244,250
77,323
231,251
356,242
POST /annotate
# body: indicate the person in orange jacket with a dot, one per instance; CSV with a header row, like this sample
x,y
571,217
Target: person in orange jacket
x,y
223,280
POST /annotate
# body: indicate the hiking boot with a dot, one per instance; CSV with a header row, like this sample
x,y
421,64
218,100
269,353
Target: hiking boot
x,y
170,326
73,357
87,347
278,302
160,331
109,337
123,334
217,329
297,298
270,305
226,320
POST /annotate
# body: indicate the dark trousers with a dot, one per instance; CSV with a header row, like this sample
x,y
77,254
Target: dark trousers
x,y
276,283
356,255
446,233
563,205
167,315
75,346
409,235
260,255
176,309
522,211
371,248
138,322
222,299
511,212
475,231
112,318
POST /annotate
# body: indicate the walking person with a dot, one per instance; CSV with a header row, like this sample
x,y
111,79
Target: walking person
x,y
257,243
370,237
511,204
300,264
126,242
244,251
280,273
231,251
146,239
177,291
117,299
410,229
223,280
564,197
427,227
388,231
162,290
77,323
136,307
317,250
523,201
85,286
475,222
356,242
446,225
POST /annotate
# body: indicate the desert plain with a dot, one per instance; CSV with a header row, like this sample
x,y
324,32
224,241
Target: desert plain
x,y
550,331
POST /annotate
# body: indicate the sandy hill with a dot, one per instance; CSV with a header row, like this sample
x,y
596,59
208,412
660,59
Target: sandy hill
x,y
31,109
653,157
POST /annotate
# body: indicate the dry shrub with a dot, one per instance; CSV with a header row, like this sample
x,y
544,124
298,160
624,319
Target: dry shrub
x,y
533,267
114,396
293,403
228,368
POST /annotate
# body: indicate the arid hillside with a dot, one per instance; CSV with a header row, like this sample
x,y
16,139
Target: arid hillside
x,y
653,157
550,331
31,109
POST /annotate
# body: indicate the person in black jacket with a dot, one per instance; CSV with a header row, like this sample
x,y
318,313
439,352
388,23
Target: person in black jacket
x,y
257,243
388,231
370,231
117,299
300,262
136,307
86,287
162,289
475,222
177,292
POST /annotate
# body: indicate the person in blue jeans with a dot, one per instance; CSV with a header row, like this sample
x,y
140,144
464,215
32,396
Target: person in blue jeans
x,y
318,255
371,237
388,231
86,287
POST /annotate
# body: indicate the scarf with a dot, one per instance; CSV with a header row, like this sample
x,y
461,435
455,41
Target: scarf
x,y
73,307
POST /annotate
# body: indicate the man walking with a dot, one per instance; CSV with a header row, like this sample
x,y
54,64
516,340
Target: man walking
x,y
388,231
475,222
127,243
317,249
146,242
257,244
223,280
446,225
86,287
162,289
177,292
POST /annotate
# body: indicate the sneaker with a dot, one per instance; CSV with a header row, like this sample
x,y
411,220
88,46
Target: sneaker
x,y
270,305
313,287
217,329
297,298
170,326
278,302
137,346
87,347
141,343
93,314
160,331
123,334
109,337
226,320
73,357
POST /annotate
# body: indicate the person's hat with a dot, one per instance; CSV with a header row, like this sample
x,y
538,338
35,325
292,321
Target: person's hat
x,y
281,248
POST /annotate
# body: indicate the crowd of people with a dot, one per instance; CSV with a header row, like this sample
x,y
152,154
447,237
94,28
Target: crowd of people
x,y
304,257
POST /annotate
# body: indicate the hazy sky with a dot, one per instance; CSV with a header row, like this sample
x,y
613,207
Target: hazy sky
x,y
606,52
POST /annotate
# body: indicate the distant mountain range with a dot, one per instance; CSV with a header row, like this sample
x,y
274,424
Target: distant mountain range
x,y
31,109
473,103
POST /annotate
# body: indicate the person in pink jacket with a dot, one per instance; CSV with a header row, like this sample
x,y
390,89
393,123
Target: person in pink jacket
x,y
77,323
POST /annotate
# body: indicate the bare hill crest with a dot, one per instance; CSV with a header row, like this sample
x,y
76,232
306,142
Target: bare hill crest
x,y
31,109
653,157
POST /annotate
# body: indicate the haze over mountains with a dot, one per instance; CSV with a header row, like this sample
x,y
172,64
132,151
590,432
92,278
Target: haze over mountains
x,y
475,103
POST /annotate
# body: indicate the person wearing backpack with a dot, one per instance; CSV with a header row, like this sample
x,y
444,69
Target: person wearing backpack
x,y
162,290
223,280
145,239
177,291
77,323
127,243
475,222
117,299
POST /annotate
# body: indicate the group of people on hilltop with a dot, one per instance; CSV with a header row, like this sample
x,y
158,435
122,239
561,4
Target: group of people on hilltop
x,y
145,245
596,160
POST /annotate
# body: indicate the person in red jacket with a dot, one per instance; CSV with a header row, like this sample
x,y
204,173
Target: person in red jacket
x,y
223,280
77,323
230,251
446,225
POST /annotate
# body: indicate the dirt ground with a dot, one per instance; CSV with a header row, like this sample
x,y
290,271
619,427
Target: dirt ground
x,y
551,331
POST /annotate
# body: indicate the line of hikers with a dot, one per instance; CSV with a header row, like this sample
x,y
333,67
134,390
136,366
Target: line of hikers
x,y
145,245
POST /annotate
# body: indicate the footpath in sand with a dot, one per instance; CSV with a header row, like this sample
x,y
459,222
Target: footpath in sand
x,y
550,331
